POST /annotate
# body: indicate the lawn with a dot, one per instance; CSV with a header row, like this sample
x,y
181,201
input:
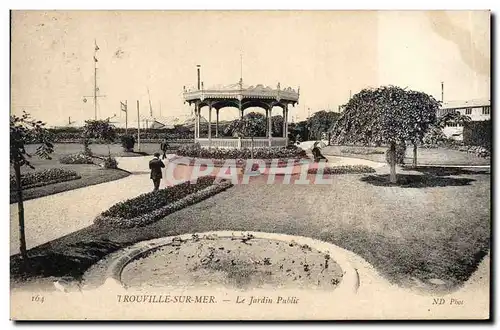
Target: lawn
x,y
90,174
431,156
437,229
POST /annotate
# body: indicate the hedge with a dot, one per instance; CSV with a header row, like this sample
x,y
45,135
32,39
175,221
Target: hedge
x,y
343,169
150,207
44,177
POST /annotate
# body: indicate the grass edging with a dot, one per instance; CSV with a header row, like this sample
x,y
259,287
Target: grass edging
x,y
148,218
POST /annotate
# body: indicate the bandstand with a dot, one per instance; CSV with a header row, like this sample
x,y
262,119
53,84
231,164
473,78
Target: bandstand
x,y
241,97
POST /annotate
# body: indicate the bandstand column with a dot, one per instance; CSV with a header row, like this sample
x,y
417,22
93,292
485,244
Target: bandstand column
x,y
196,121
209,125
198,116
217,123
284,121
267,118
269,126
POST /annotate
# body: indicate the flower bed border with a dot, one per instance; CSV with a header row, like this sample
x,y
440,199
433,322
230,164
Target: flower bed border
x,y
240,163
151,217
46,183
359,169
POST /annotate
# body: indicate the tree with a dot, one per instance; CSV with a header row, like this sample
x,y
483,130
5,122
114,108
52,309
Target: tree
x,y
386,115
250,126
321,123
25,130
101,130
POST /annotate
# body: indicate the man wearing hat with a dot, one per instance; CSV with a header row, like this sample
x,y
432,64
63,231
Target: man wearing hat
x,y
155,165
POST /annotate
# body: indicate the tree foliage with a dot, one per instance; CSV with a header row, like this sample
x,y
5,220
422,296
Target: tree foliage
x,y
277,125
386,115
99,129
322,122
251,125
25,130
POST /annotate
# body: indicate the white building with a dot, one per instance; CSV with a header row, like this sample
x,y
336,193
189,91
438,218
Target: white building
x,y
476,110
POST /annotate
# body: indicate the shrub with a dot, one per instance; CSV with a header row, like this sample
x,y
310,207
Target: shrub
x,y
44,177
128,142
360,151
110,162
196,151
79,158
149,207
478,133
343,169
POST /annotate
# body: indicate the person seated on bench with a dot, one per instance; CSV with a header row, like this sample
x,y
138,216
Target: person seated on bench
x,y
317,153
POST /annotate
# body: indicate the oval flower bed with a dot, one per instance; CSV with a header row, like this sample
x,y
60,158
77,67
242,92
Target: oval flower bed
x,y
150,207
239,262
79,158
240,163
196,151
44,177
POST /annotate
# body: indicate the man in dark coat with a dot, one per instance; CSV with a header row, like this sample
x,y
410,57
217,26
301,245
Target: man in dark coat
x,y
155,165
164,147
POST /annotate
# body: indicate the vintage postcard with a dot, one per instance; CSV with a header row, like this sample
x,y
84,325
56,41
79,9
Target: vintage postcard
x,y
250,165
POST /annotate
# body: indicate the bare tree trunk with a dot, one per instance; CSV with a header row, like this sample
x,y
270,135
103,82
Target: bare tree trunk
x,y
392,158
414,155
20,206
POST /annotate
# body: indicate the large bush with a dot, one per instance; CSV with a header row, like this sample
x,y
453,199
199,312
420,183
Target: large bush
x,y
196,151
44,177
128,142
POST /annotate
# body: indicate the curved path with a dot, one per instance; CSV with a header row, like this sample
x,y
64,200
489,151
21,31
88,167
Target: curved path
x,y
53,216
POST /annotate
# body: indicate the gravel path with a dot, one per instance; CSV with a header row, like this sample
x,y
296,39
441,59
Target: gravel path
x,y
51,217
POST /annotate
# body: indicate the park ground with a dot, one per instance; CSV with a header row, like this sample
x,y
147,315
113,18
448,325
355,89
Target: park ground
x,y
430,232
91,174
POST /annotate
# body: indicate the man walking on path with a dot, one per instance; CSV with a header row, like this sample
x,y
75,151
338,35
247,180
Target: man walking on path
x,y
155,165
164,147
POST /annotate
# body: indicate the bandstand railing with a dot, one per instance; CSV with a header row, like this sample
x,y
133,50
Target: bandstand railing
x,y
242,142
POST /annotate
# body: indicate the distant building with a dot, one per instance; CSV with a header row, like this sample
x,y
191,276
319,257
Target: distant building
x,y
476,110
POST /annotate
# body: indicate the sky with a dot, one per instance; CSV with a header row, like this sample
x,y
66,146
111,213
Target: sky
x,y
329,54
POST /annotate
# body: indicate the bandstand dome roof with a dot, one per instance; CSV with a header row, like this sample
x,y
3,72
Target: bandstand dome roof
x,y
249,95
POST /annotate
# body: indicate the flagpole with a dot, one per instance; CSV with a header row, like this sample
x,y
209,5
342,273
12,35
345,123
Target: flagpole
x,y
95,79
138,127
126,118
